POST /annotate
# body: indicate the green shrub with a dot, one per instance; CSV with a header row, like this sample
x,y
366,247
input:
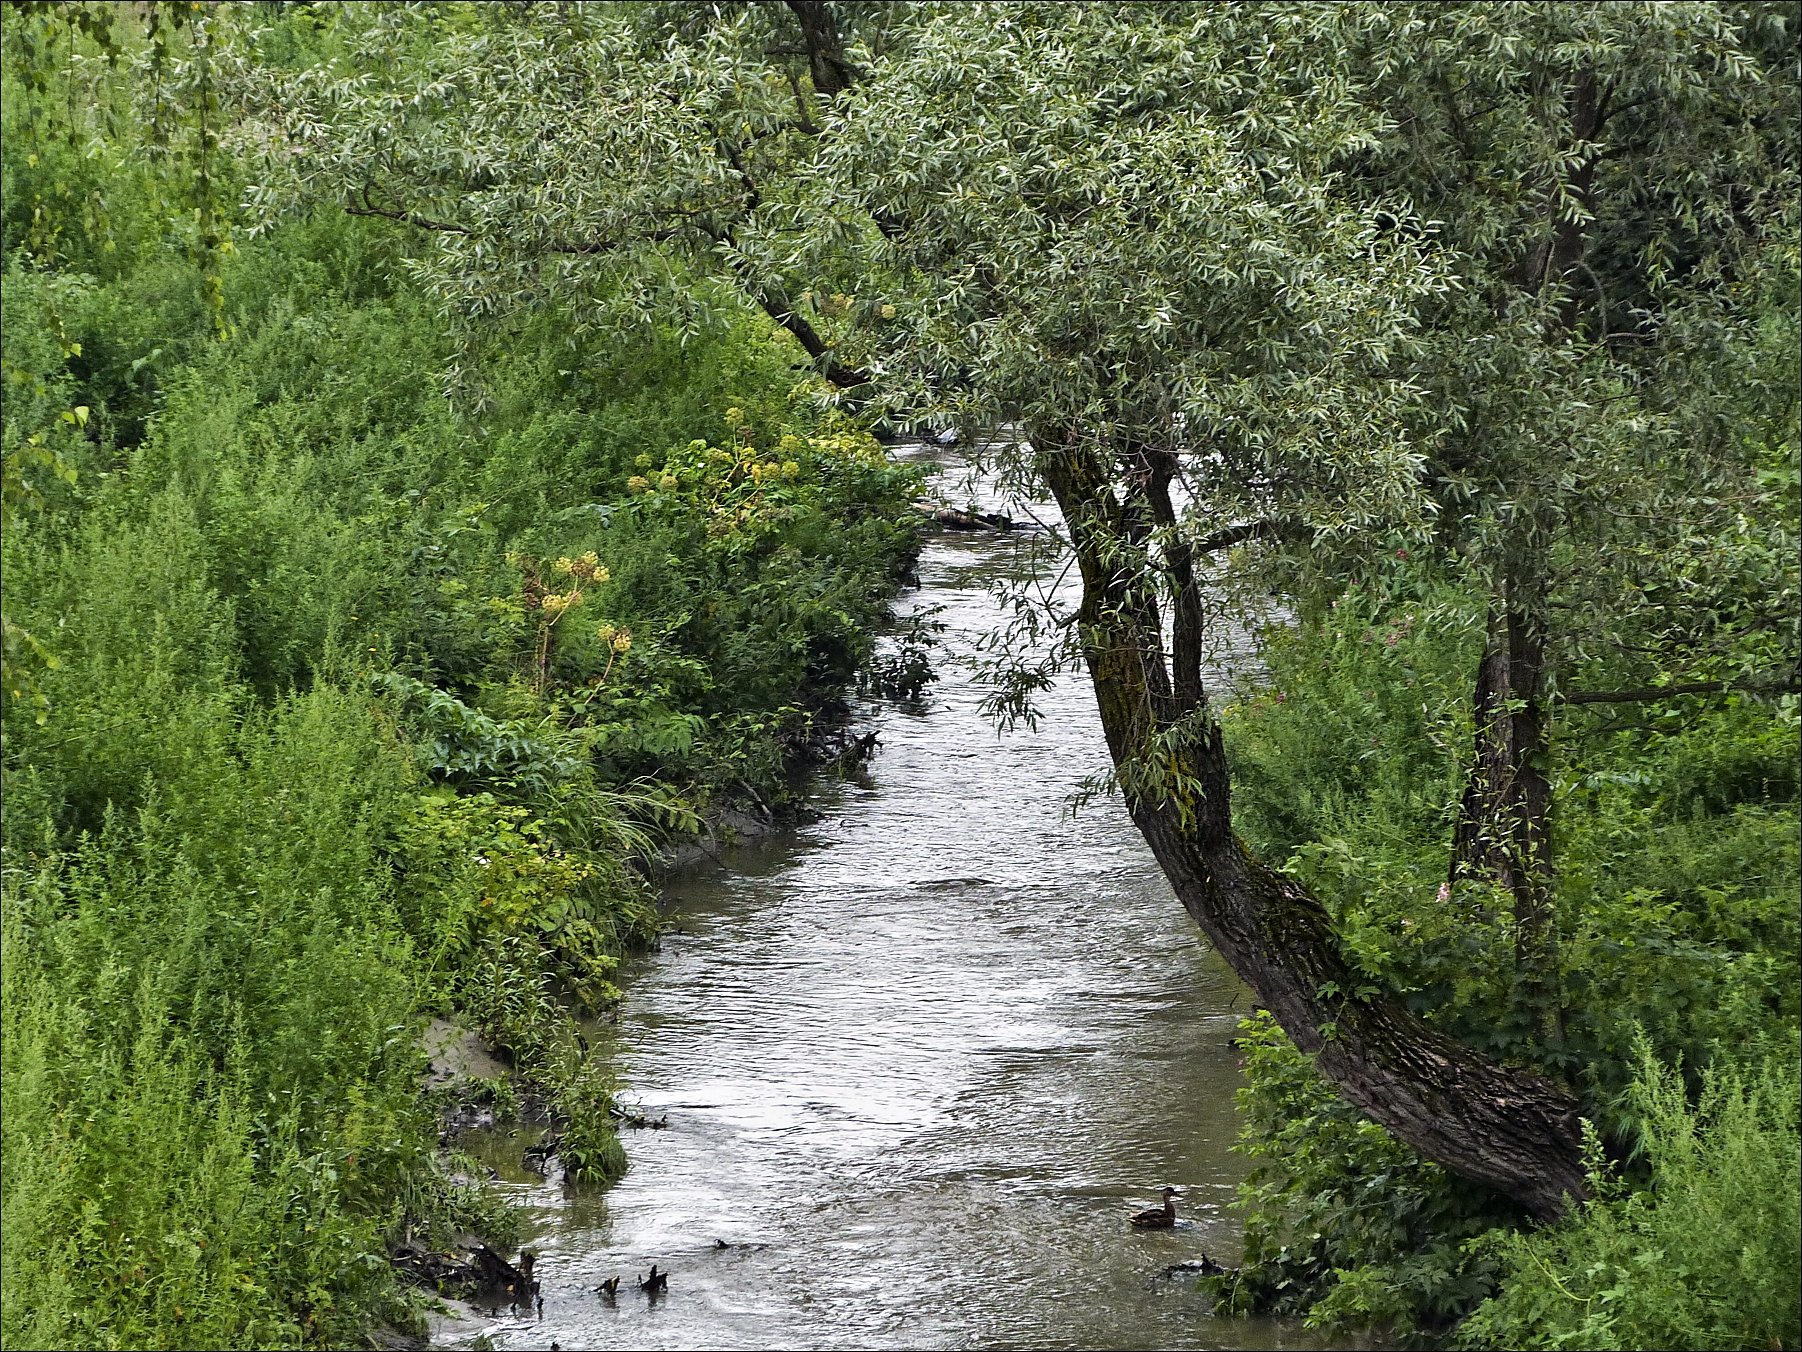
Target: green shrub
x,y
1343,1223
1707,1254
1677,872
210,1072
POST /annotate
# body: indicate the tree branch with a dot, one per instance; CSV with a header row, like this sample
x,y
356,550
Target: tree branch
x,y
562,246
832,73
1652,692
777,306
1187,620
1238,535
407,218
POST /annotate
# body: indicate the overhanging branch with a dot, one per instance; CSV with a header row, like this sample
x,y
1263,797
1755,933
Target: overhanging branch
x,y
412,218
1238,535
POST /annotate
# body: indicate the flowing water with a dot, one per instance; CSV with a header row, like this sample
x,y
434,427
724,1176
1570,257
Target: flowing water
x,y
919,1060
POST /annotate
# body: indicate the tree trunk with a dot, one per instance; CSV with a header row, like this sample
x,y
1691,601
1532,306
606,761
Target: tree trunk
x,y
1504,1128
1503,828
832,74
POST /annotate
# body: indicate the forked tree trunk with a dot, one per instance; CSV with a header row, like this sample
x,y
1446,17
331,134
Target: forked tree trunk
x,y
1507,1129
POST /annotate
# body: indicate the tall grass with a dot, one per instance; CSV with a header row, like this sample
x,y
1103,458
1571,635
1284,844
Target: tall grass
x,y
209,1070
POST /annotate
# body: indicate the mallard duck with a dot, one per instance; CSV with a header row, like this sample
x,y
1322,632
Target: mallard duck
x,y
1157,1217
608,1289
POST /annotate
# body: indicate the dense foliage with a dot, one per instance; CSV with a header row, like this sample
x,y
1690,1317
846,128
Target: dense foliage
x,y
391,563
334,703
1679,937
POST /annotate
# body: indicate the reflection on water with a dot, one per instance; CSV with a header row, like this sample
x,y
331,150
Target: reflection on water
x,y
920,1061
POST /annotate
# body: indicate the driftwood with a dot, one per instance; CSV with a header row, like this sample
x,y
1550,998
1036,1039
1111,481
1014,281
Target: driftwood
x,y
496,1274
468,1268
952,519
445,1271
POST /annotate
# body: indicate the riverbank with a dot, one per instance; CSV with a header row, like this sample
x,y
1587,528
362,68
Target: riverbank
x,y
479,1094
498,1122
348,706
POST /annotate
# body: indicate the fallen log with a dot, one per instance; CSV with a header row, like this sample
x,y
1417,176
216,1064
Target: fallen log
x,y
952,519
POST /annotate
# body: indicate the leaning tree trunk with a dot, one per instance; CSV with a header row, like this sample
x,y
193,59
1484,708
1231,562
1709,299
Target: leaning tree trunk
x,y
1507,1129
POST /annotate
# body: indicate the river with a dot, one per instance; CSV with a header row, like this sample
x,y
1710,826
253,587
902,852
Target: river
x,y
920,1060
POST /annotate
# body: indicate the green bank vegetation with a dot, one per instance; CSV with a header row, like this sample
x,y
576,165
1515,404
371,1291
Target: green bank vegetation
x,y
414,506
334,703
1679,991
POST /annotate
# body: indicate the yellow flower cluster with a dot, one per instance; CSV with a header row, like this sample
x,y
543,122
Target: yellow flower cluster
x,y
767,471
586,568
618,639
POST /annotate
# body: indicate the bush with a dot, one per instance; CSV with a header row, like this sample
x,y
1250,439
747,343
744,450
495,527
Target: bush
x,y
210,1073
1677,872
1705,1255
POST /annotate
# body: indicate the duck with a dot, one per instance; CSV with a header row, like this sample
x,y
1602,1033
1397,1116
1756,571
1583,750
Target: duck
x,y
1157,1217
656,1283
608,1289
536,1157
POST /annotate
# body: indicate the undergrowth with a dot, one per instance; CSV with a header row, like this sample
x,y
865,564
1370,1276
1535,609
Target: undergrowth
x,y
1677,945
334,704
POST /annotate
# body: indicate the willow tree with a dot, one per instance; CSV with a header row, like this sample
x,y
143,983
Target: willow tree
x,y
1124,230
1610,181
1136,234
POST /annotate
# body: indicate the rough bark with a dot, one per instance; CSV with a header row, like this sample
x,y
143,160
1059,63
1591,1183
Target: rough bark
x,y
1503,829
1507,1129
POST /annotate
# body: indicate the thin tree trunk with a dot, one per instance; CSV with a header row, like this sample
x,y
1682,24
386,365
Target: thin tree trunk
x,y
1507,1129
